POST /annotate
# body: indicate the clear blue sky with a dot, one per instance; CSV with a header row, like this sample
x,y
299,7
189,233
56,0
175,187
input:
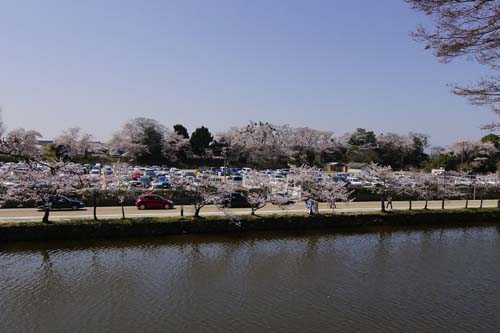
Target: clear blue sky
x,y
326,64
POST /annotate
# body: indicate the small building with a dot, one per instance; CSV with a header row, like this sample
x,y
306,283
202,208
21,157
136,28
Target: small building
x,y
336,167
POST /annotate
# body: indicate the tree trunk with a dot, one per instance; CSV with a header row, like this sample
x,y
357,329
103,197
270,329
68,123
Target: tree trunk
x,y
481,202
425,206
382,204
46,213
410,205
123,212
466,203
442,204
197,212
95,206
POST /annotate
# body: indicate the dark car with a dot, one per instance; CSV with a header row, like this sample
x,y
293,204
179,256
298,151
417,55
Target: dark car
x,y
60,202
153,201
236,200
235,171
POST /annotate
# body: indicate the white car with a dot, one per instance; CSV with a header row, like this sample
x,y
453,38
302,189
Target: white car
x,y
246,170
354,181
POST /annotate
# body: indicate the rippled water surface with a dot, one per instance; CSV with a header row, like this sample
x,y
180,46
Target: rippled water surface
x,y
390,280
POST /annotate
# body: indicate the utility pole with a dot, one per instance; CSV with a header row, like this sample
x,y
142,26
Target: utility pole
x,y
224,150
462,159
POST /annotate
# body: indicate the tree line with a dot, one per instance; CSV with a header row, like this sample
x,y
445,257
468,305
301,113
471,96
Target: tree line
x,y
262,145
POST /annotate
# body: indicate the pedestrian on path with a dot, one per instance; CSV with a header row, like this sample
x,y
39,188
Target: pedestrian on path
x,y
309,207
389,202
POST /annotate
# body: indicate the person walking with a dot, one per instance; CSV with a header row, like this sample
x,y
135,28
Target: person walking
x,y
309,206
389,202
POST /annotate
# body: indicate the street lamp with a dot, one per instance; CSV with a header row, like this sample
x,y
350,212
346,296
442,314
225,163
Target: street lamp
x,y
224,152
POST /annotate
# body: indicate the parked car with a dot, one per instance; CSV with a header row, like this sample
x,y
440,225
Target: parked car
x,y
189,175
145,180
160,183
235,171
279,177
355,182
153,201
134,184
246,170
235,179
236,200
150,173
60,202
223,171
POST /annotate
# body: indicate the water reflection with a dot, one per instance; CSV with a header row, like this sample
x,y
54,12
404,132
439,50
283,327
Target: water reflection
x,y
376,280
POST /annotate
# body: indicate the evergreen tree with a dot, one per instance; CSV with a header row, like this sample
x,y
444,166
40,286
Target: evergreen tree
x,y
181,130
200,140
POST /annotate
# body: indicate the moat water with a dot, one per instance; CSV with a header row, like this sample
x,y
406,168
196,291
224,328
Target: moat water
x,y
382,280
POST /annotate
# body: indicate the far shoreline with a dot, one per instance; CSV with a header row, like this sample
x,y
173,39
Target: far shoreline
x,y
166,226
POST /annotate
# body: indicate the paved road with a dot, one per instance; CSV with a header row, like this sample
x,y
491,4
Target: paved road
x,y
31,214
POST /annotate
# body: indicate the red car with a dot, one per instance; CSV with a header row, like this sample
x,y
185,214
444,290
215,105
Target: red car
x,y
136,175
153,201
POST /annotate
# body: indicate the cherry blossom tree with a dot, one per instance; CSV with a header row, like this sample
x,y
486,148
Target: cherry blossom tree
x,y
200,193
266,144
425,186
335,191
308,179
436,187
467,29
117,187
304,145
141,139
445,190
280,196
409,187
259,190
473,155
21,144
94,188
383,180
40,183
75,141
175,146
488,184
37,180
257,143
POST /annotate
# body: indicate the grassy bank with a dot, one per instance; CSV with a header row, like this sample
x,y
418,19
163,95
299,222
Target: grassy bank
x,y
148,226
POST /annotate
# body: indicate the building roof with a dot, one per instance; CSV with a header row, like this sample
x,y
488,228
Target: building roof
x,y
357,165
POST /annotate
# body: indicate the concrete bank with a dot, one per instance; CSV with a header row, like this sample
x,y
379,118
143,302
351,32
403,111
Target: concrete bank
x,y
142,227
